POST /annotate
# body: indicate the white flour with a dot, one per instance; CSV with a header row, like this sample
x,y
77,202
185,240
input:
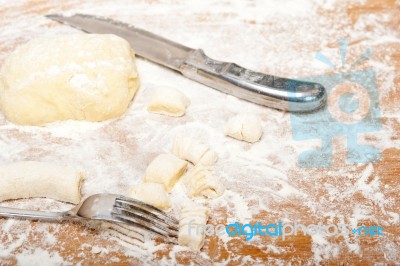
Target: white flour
x,y
39,256
276,37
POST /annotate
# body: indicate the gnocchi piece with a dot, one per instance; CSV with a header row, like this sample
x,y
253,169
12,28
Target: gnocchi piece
x,y
193,151
200,181
151,193
244,127
168,101
192,221
165,169
28,179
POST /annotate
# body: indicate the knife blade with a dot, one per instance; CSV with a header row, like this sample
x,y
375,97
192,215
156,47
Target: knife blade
x,y
266,90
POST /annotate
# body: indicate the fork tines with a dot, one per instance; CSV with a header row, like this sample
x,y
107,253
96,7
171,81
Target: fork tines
x,y
146,216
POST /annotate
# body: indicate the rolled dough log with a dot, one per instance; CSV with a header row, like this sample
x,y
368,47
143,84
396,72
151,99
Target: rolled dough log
x,y
30,179
76,76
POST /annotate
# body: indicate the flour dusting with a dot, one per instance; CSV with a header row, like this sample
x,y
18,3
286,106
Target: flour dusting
x,y
263,180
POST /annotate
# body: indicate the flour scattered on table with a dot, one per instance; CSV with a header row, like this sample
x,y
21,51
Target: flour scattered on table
x,y
261,179
39,257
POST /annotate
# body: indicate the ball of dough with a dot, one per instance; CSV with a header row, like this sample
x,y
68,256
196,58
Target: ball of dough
x,y
77,76
244,127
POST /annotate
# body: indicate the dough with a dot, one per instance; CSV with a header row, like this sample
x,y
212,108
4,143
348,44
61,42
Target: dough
x,y
165,169
200,181
30,179
151,193
77,76
194,151
192,221
168,101
244,127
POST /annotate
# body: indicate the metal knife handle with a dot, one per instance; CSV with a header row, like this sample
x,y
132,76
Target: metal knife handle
x,y
271,91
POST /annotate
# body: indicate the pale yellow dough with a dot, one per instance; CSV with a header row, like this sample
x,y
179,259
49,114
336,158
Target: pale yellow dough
x,y
165,169
193,150
244,127
30,179
201,182
168,101
75,76
192,221
151,193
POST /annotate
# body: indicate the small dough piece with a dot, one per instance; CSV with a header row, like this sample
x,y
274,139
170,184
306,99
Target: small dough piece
x,y
244,127
151,193
192,221
29,179
194,151
73,76
165,169
168,101
200,181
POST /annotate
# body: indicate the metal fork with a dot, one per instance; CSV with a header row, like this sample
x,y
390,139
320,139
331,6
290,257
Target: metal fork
x,y
109,208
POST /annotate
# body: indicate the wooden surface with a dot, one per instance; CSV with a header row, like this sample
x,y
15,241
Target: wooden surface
x,y
315,183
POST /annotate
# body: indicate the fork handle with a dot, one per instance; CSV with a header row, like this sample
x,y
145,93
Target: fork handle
x,y
34,215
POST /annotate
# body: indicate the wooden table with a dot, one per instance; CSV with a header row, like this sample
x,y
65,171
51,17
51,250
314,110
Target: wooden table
x,y
329,195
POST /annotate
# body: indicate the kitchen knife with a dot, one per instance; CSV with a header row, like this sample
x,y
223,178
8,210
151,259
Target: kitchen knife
x,y
267,90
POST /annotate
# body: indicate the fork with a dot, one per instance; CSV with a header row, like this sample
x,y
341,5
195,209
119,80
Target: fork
x,y
109,208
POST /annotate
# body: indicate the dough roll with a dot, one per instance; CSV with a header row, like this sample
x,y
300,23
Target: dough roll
x,y
30,179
